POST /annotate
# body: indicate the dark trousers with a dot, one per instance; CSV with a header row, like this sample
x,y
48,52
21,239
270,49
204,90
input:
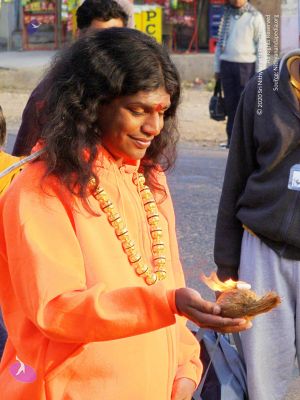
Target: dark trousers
x,y
234,77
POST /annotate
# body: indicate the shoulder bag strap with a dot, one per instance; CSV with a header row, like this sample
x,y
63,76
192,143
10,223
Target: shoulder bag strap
x,y
200,387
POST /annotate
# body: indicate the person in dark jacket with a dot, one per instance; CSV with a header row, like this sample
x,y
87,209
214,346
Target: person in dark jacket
x,y
258,225
92,14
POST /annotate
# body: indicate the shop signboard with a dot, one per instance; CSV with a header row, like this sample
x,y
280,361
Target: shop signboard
x,y
148,19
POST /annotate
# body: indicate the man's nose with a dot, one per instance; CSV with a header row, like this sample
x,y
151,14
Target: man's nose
x,y
153,124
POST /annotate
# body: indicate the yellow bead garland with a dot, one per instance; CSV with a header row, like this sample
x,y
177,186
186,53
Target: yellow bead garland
x,y
159,272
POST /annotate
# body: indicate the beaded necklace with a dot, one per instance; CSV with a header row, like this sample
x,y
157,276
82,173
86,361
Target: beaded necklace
x,y
158,271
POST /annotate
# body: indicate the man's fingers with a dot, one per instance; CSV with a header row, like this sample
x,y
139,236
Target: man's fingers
x,y
231,329
203,319
205,313
207,307
187,298
202,305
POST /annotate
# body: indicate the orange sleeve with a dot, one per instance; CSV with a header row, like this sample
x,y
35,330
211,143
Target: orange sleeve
x,y
189,365
48,276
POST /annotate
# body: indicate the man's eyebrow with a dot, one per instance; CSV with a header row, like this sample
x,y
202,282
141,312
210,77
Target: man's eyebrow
x,y
147,105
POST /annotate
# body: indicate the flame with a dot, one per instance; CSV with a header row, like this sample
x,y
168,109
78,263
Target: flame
x,y
214,283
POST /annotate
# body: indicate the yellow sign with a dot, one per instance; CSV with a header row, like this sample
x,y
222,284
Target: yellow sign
x,y
148,19
138,21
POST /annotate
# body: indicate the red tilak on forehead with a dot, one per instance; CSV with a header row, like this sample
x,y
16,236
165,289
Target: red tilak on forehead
x,y
158,107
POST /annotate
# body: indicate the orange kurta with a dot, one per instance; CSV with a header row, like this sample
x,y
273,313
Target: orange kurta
x,y
75,310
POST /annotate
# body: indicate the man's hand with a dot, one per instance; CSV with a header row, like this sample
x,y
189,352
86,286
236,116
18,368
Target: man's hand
x,y
217,75
183,389
204,313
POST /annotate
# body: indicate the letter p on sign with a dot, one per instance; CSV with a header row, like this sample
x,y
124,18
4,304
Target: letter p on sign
x,y
152,21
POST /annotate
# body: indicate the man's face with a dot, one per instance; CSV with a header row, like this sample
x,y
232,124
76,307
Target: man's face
x,y
130,123
101,24
112,23
237,3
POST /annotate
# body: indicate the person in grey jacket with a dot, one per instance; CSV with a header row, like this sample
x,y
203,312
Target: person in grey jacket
x,y
240,52
257,235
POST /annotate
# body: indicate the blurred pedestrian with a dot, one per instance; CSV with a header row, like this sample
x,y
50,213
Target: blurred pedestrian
x,y
240,52
258,225
92,14
94,298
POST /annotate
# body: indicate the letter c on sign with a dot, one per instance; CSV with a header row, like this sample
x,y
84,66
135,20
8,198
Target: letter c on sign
x,y
150,29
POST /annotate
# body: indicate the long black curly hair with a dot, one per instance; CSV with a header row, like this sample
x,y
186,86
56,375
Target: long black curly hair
x,y
95,70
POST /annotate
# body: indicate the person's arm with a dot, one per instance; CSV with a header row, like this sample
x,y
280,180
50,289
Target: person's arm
x,y
218,51
240,164
260,40
217,61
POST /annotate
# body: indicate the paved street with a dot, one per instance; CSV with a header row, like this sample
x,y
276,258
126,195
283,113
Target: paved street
x,y
195,185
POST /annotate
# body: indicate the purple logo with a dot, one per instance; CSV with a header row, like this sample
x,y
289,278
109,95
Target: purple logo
x,y
33,26
22,372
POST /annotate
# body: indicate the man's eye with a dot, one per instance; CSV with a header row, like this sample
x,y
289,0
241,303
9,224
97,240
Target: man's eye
x,y
137,112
